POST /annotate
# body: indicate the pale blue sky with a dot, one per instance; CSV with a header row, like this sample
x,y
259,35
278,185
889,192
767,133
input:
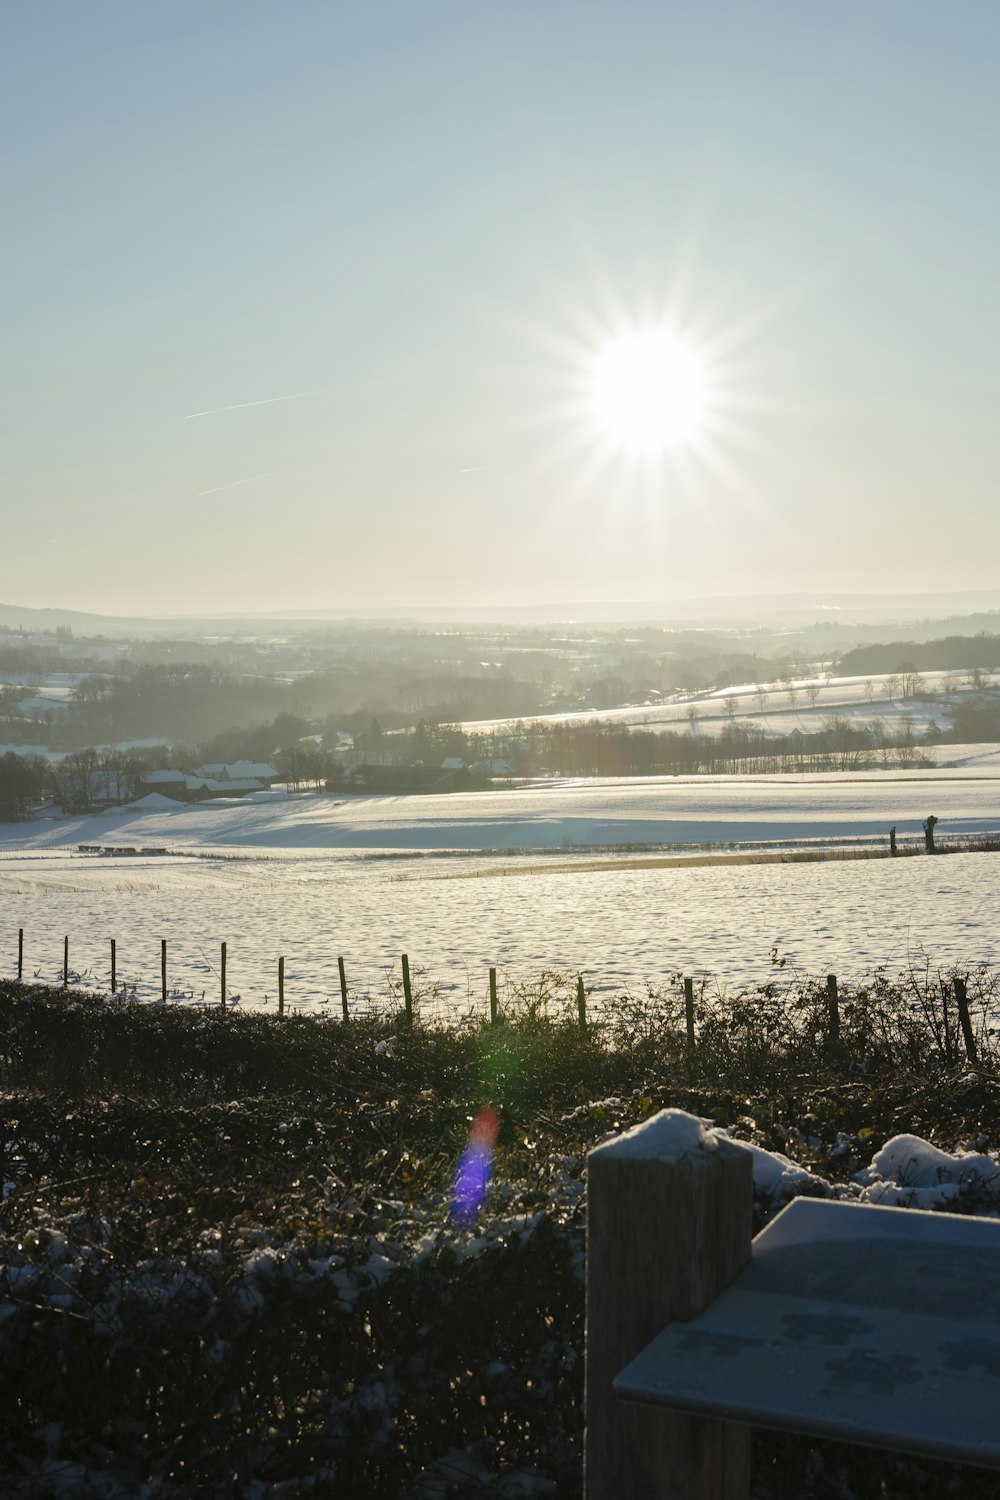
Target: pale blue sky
x,y
421,221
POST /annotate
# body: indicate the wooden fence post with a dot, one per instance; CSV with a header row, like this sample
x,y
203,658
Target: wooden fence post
x,y
689,1014
833,1007
407,993
222,975
114,967
946,1032
669,1212
66,963
581,1002
343,987
163,969
281,986
962,1001
20,954
494,1008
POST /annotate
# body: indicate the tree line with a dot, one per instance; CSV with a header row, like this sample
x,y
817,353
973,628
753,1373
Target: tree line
x,y
953,653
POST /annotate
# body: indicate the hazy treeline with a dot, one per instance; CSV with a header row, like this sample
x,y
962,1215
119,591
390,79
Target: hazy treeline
x,y
190,693
599,749
24,780
954,653
613,750
190,704
87,778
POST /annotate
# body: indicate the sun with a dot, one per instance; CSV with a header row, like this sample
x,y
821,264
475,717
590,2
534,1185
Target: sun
x,y
650,392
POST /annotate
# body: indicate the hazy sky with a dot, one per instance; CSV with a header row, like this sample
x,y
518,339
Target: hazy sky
x,y
303,300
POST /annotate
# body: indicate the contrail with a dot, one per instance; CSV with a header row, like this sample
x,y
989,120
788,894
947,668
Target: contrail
x,y
236,482
478,469
239,405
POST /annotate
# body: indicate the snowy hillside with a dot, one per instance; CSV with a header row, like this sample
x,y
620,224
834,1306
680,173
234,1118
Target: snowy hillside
x,y
534,885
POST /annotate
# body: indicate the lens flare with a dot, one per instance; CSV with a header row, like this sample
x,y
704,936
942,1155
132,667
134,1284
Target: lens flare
x,y
472,1177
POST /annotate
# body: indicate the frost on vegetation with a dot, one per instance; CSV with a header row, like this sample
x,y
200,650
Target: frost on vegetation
x,y
460,1472
909,1172
778,1179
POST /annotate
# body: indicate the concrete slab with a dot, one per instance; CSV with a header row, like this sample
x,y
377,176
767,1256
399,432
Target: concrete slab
x,y
865,1324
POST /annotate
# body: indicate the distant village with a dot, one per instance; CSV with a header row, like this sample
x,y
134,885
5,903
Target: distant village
x,y
90,723
77,789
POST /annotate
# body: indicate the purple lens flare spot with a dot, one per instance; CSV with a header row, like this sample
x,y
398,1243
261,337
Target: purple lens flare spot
x,y
472,1176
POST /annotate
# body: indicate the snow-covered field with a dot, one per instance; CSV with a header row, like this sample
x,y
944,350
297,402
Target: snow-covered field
x,y
571,876
778,708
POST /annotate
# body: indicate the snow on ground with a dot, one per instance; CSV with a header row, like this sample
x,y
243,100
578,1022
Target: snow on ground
x,y
527,886
563,814
983,757
778,708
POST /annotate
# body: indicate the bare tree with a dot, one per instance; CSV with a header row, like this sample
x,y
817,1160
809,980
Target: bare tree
x,y
75,780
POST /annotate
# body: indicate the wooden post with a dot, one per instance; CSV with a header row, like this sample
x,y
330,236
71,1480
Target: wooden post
x,y
407,993
65,963
669,1212
222,975
163,969
281,986
494,1008
949,1051
114,967
892,839
962,1001
833,1007
581,1003
20,954
689,1014
343,987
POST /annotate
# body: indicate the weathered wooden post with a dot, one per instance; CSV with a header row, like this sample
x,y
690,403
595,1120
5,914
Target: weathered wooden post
x,y
407,993
494,1008
66,963
689,1014
892,839
163,970
281,986
946,1028
222,975
669,1208
114,967
343,987
833,1007
581,1003
962,1002
20,954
